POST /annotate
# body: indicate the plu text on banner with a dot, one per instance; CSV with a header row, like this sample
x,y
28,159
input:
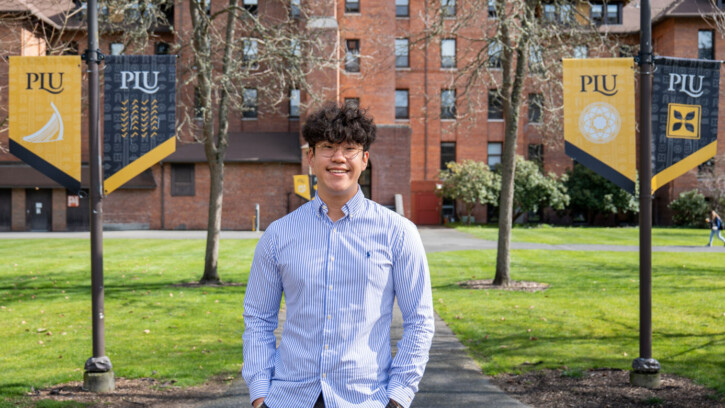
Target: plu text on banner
x,y
684,116
139,115
45,116
599,117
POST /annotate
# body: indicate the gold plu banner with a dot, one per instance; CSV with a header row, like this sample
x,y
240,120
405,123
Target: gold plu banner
x,y
45,116
599,121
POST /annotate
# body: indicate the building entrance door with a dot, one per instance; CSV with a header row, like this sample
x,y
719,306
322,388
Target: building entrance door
x,y
38,209
427,210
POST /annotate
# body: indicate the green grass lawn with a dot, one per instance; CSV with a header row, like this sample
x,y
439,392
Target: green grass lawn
x,y
588,318
155,326
546,234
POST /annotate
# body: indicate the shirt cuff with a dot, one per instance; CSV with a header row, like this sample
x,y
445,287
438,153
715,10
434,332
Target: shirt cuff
x,y
401,394
258,389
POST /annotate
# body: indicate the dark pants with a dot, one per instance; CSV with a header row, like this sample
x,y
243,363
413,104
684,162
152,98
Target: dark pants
x,y
321,404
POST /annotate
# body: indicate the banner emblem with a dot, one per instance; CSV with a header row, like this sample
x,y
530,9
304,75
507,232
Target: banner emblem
x,y
45,116
305,186
139,115
685,95
683,121
599,117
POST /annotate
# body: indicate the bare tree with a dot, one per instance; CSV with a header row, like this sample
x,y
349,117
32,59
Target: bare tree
x,y
519,48
234,49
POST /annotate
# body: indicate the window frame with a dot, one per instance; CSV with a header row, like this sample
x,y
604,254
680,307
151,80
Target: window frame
x,y
448,112
400,7
449,147
402,44
352,102
448,61
494,51
495,110
350,8
701,50
448,8
183,188
250,59
494,154
292,105
535,108
250,114
116,45
352,56
295,8
252,6
402,112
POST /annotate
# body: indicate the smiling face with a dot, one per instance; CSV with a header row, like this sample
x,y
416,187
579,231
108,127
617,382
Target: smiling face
x,y
337,167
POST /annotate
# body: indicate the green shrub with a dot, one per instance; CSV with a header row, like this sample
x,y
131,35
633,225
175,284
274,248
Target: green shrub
x,y
690,209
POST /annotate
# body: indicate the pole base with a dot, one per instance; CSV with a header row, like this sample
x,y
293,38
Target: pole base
x,y
99,382
645,380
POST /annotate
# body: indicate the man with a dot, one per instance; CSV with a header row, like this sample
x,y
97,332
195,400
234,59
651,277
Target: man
x,y
340,261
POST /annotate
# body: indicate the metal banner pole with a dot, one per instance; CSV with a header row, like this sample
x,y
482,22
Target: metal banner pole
x,y
645,368
98,376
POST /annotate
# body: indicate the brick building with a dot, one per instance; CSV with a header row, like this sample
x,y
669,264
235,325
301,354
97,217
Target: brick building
x,y
402,82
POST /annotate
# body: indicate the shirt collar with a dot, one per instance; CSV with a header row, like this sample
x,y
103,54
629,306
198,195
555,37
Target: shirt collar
x,y
351,208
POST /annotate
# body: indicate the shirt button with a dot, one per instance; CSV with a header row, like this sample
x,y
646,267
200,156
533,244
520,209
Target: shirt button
x,y
327,346
329,317
324,375
332,258
330,287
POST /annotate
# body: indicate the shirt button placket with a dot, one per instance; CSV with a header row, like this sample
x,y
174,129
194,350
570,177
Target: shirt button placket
x,y
329,299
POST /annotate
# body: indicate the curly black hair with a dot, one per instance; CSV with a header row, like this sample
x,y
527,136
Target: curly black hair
x,y
339,124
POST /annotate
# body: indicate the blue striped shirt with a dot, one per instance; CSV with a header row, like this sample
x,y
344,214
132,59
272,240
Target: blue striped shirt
x,y
339,281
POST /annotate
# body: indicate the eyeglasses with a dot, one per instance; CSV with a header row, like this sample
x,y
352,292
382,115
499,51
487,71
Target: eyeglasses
x,y
328,150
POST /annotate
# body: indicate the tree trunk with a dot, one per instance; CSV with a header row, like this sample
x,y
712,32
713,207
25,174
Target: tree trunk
x,y
216,195
514,75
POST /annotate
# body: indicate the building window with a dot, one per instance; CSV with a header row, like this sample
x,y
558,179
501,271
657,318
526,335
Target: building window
x,y
294,9
448,8
495,150
294,103
352,102
198,109
492,9
207,7
535,104
401,104
448,104
557,14
294,45
249,103
117,48
352,6
705,49
614,15
249,57
495,107
161,48
581,51
251,6
448,154
182,180
535,60
448,53
536,154
352,55
494,54
401,53
706,169
402,8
